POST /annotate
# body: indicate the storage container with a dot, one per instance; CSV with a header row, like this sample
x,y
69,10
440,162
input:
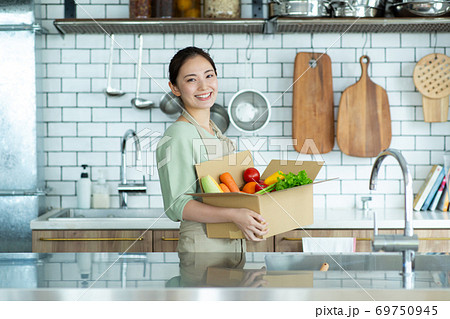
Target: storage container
x,y
222,9
140,9
163,8
188,8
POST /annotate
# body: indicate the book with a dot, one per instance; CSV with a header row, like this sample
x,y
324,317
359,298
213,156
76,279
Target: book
x,y
426,187
443,202
438,195
433,191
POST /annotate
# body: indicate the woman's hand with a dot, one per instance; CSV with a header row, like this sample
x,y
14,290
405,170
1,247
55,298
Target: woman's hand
x,y
253,278
250,223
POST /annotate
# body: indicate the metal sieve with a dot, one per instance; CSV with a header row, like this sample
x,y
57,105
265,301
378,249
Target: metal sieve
x,y
249,110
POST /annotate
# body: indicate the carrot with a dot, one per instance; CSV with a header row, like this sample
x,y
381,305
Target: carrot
x,y
228,180
324,267
224,188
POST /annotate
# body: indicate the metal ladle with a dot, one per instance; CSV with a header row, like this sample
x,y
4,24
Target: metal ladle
x,y
138,102
109,90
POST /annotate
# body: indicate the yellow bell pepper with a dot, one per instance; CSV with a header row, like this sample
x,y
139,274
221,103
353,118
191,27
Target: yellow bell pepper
x,y
272,179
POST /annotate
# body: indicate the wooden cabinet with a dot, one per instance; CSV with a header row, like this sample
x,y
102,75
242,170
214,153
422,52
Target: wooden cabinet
x,y
50,241
430,240
165,240
292,241
433,240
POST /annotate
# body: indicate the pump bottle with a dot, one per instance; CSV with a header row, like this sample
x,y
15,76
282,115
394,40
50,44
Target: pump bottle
x,y
100,193
84,189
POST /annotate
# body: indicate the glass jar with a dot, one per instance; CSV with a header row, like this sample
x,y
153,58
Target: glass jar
x,y
188,8
140,9
230,9
163,8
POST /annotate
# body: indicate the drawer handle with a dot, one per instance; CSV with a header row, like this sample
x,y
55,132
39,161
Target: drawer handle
x,y
169,239
299,239
91,239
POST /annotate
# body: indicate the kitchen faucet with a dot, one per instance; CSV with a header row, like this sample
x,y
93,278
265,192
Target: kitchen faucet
x,y
408,243
124,188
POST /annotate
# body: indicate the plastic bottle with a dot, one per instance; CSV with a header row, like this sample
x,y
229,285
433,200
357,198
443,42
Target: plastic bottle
x,y
100,193
84,189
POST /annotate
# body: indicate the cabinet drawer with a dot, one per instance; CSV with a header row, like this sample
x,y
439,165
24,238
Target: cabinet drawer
x,y
433,240
292,241
48,241
165,240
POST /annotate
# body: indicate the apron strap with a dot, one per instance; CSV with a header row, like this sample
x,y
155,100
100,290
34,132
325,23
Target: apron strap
x,y
228,144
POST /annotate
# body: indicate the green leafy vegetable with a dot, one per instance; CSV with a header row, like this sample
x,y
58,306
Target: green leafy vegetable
x,y
290,180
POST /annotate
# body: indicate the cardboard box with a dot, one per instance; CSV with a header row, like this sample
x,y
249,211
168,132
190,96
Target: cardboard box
x,y
284,210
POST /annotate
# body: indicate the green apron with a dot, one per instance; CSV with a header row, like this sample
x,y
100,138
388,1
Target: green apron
x,y
193,234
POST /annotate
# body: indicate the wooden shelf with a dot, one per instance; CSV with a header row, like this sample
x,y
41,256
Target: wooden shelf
x,y
278,25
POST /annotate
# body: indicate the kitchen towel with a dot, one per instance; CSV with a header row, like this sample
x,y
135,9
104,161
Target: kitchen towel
x,y
329,244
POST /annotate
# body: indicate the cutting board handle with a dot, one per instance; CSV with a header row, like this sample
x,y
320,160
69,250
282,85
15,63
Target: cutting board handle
x,y
364,61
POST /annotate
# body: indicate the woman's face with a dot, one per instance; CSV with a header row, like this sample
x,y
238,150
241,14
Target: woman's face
x,y
196,83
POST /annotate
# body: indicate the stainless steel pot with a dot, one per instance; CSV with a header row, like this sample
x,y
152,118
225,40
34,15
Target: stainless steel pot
x,y
358,8
170,104
302,8
421,9
343,10
220,117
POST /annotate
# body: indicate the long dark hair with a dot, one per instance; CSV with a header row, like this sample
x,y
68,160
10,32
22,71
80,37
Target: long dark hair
x,y
181,56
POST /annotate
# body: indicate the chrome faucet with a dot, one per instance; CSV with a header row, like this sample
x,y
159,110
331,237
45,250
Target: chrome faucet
x,y
124,188
408,244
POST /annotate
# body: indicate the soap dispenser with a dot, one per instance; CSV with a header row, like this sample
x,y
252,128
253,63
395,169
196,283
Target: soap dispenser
x,y
84,189
100,193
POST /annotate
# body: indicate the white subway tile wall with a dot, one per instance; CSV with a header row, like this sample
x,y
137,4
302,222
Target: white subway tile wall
x,y
83,126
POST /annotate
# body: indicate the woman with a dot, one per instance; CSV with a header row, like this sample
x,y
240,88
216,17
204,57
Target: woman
x,y
193,78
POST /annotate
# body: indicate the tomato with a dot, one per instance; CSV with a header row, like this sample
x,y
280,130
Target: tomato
x,y
260,185
251,175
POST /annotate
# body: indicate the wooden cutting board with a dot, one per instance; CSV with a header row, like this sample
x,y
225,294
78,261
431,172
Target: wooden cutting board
x,y
364,119
312,104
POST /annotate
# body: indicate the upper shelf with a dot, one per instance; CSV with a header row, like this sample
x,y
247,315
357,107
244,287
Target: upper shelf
x,y
279,25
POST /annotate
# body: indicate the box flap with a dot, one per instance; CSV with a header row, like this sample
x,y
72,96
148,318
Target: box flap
x,y
234,164
312,168
221,194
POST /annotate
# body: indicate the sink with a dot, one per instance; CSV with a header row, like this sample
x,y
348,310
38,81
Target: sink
x,y
356,262
110,213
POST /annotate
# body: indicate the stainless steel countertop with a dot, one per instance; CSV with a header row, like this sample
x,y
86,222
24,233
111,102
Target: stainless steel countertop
x,y
213,276
223,294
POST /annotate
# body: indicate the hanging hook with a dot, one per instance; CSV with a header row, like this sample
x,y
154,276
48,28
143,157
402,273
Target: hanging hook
x,y
365,42
435,44
248,54
312,61
212,41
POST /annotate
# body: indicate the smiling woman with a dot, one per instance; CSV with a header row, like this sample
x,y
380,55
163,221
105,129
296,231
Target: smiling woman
x,y
192,139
